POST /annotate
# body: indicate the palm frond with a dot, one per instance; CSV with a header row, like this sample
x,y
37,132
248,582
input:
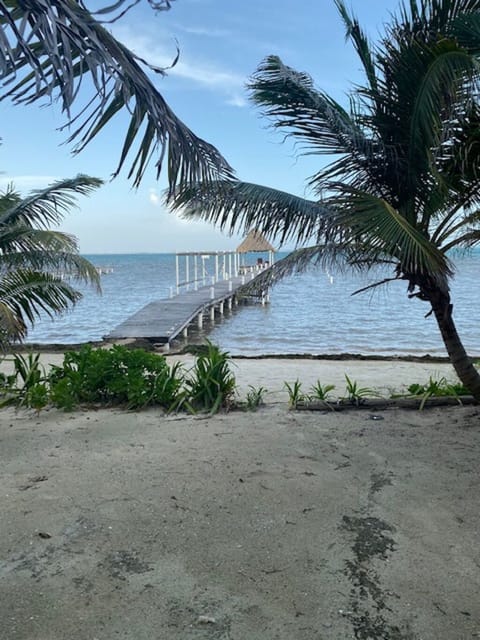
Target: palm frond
x,y
427,17
335,255
360,42
454,225
324,127
17,239
446,85
34,259
382,230
290,98
47,206
297,261
11,327
466,29
459,162
425,81
241,206
25,295
467,240
50,50
50,257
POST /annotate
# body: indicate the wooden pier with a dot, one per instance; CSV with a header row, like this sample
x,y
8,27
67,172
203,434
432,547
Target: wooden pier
x,y
164,320
204,285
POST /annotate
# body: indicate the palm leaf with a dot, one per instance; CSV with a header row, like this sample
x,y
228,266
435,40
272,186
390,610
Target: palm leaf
x,y
25,295
328,256
47,206
23,242
48,50
241,206
324,127
290,98
382,231
33,259
469,239
361,44
444,86
51,257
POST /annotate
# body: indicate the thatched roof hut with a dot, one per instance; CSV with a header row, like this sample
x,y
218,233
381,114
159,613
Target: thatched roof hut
x,y
255,242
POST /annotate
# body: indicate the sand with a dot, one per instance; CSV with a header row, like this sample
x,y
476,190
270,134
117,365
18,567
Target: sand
x,y
271,525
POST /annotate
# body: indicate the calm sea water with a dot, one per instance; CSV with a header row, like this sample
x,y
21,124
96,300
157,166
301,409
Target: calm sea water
x,y
310,313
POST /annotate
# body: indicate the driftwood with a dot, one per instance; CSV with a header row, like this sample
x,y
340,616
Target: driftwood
x,y
385,403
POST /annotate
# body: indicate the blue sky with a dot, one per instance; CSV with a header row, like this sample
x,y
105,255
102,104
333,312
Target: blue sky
x,y
221,43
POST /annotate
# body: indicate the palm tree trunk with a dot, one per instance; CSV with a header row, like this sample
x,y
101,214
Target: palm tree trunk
x,y
469,376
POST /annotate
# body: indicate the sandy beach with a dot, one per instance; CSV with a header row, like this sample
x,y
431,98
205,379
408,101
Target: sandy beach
x,y
267,525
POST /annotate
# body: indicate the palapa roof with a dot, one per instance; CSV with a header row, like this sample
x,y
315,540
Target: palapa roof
x,y
255,242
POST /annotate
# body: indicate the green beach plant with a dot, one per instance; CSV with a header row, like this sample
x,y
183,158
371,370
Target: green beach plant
x,y
356,394
402,188
295,393
132,377
321,391
255,397
211,384
435,388
27,386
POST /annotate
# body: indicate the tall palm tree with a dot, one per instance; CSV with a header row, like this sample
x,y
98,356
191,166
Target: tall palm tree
x,y
403,188
33,257
58,50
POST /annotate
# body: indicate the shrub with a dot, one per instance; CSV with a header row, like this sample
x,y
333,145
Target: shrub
x,y
118,375
121,376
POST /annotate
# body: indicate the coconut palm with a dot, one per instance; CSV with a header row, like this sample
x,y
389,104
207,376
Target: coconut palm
x,y
403,187
33,258
61,50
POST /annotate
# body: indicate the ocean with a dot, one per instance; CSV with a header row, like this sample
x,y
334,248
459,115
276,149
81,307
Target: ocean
x,y
309,313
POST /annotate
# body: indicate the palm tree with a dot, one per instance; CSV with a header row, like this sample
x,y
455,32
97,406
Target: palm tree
x,y
51,50
33,257
403,188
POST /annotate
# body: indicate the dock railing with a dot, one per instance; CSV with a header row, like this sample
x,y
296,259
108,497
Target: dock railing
x,y
202,268
196,269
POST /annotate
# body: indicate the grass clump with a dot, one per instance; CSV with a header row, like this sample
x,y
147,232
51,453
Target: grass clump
x,y
28,385
254,398
355,394
437,388
212,384
295,393
321,391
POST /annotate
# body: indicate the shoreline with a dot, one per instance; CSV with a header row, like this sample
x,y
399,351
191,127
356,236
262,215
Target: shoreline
x,y
192,348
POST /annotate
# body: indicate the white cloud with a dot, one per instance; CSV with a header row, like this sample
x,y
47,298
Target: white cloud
x,y
205,31
208,75
237,101
204,74
154,197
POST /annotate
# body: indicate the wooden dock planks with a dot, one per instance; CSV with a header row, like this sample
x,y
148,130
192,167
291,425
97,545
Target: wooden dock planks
x,y
163,320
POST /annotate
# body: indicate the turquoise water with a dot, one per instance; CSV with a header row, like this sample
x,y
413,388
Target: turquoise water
x,y
311,313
